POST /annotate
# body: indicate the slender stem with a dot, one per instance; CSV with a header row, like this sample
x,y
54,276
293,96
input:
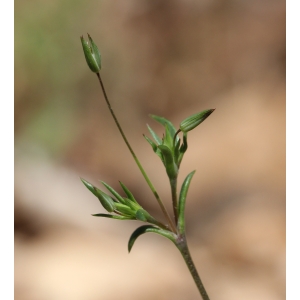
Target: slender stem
x,y
135,157
173,183
182,246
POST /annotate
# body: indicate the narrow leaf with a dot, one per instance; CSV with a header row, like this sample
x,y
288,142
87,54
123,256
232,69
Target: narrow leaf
x,y
113,217
182,200
157,139
106,201
165,122
127,192
154,147
152,144
115,193
149,228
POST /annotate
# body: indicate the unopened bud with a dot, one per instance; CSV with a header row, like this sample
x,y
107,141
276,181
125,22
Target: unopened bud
x,y
194,120
106,201
92,54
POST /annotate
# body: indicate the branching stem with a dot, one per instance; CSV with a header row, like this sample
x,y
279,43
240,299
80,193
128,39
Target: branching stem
x,y
172,227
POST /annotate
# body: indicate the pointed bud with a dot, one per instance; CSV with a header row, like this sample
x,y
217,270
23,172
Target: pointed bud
x,y
194,120
124,209
92,54
106,201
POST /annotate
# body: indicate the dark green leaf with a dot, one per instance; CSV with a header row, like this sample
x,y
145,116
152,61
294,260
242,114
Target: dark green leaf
x,y
149,228
106,201
157,139
152,144
154,147
182,200
165,122
116,194
183,148
127,192
113,217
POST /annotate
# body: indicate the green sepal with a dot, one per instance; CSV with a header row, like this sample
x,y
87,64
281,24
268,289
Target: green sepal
x,y
95,51
149,228
113,217
127,192
194,120
156,138
91,54
176,152
152,144
115,193
106,201
170,165
183,148
133,205
124,210
182,200
154,147
165,122
168,138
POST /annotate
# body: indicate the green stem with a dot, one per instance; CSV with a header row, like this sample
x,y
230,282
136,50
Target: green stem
x,y
182,246
173,183
135,157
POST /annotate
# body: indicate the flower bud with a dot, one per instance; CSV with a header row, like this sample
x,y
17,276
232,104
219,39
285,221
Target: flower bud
x,y
106,201
194,120
92,54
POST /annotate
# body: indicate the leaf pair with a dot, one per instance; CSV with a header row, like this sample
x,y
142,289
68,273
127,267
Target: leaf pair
x,y
181,220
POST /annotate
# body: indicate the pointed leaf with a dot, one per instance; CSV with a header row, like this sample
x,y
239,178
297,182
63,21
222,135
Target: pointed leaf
x,y
116,194
182,200
152,144
127,192
113,217
106,201
157,139
149,228
133,205
154,147
165,122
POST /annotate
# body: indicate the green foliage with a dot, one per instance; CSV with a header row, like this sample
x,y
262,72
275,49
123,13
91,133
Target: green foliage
x,y
182,199
170,150
149,228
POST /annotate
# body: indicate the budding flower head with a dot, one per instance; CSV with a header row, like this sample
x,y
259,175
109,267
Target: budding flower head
x,y
194,120
92,54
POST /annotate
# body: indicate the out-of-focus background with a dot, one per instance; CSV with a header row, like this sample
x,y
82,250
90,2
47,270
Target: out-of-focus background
x,y
171,58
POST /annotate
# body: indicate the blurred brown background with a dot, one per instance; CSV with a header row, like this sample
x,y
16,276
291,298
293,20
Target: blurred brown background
x,y
169,58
